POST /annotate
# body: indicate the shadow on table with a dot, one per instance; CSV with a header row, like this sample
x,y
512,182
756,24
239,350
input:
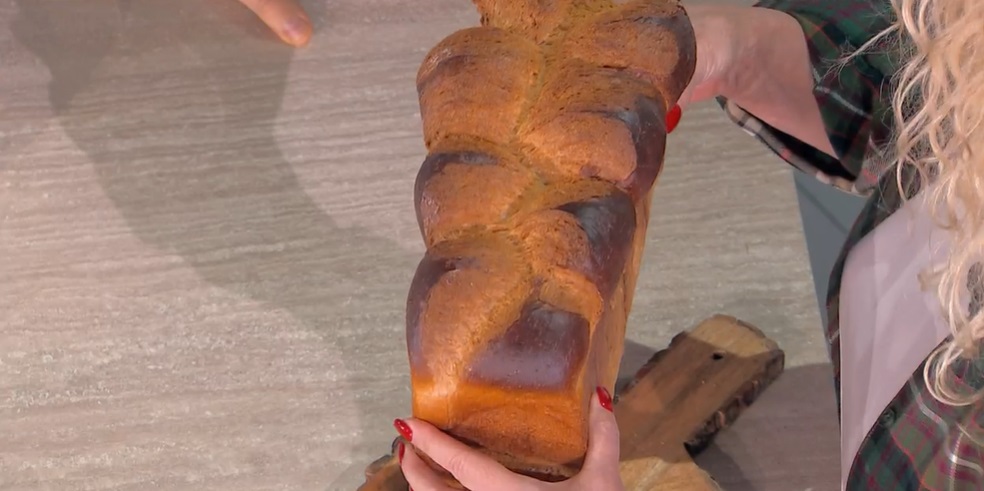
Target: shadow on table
x,y
187,152
787,440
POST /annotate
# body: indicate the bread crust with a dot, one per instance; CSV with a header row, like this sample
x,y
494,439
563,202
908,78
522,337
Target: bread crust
x,y
545,132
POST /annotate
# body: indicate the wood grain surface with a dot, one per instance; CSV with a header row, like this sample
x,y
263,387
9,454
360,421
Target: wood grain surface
x,y
206,239
698,386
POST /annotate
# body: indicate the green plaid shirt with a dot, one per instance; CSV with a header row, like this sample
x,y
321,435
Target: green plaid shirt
x,y
917,443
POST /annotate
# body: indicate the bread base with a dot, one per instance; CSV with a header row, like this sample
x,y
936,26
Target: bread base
x,y
672,409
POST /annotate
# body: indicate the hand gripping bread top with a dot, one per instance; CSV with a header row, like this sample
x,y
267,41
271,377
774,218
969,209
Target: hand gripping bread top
x,y
545,132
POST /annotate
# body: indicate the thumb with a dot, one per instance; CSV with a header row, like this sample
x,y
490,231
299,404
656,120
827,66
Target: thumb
x,y
603,436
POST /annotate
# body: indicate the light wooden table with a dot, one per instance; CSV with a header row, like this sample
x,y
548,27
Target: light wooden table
x,y
206,240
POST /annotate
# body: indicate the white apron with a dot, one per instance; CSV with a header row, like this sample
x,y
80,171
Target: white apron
x,y
888,324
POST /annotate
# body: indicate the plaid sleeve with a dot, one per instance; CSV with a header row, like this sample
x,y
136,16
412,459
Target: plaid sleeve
x,y
855,109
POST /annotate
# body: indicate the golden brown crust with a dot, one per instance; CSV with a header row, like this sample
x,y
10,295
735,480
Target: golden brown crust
x,y
536,20
503,64
545,134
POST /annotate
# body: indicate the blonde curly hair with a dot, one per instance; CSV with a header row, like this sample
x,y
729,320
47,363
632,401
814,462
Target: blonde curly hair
x,y
938,107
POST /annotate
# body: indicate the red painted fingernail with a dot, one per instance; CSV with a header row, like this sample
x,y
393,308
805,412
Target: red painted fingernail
x,y
604,398
673,118
400,451
404,429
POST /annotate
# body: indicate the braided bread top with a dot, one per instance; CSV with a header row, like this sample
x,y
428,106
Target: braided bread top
x,y
545,135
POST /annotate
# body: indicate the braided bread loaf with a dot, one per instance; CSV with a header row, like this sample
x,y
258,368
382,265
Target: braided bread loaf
x,y
545,131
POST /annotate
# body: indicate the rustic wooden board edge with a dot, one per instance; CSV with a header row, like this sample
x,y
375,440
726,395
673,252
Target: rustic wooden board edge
x,y
687,393
384,474
741,400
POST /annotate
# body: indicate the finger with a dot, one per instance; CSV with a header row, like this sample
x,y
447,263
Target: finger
x,y
284,17
473,469
603,437
419,475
